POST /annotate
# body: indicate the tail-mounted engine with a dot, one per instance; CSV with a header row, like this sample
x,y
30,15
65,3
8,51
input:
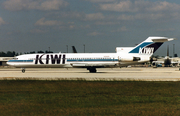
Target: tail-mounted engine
x,y
129,59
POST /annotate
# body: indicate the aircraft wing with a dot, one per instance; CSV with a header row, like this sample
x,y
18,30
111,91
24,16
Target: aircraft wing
x,y
98,65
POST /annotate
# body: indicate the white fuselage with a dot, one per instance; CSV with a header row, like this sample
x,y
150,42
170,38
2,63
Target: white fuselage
x,y
78,60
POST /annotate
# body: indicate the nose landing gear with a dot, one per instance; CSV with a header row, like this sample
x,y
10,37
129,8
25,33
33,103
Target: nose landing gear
x,y
23,70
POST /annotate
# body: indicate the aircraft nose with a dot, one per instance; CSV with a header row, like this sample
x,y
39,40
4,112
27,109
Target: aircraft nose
x,y
9,63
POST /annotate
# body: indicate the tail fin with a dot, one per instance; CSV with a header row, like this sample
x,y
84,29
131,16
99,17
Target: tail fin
x,y
168,51
74,49
150,45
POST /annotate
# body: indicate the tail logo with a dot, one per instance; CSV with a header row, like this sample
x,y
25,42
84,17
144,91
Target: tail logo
x,y
146,50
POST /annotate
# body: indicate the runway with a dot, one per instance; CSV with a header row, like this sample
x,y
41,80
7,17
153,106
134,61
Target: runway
x,y
104,74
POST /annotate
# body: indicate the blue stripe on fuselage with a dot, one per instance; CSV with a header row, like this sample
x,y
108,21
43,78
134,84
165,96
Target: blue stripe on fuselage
x,y
72,60
20,61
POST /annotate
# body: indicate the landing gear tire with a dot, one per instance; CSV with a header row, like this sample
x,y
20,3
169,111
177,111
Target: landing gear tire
x,y
92,70
23,70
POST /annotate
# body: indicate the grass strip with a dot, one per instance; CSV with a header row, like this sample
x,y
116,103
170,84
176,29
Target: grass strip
x,y
23,97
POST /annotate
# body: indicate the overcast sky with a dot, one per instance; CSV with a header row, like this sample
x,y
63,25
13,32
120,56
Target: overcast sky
x,y
102,25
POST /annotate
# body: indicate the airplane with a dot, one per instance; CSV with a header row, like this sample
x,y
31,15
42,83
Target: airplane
x,y
167,61
124,56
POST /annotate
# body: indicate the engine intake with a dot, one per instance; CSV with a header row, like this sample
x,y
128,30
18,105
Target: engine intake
x,y
136,58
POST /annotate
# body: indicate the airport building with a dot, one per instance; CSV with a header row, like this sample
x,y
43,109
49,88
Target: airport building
x,y
3,60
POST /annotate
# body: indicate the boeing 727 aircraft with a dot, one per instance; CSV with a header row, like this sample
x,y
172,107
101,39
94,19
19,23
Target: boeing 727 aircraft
x,y
124,56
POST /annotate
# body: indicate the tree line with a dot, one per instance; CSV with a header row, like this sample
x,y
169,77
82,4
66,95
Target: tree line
x,y
13,53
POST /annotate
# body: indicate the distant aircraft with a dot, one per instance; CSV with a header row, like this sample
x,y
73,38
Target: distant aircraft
x,y
74,49
167,61
124,56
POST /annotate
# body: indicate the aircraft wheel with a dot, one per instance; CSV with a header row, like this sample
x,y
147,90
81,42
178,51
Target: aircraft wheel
x,y
92,70
23,70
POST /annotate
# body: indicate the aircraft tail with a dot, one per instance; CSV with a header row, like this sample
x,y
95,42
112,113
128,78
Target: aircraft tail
x,y
74,49
149,46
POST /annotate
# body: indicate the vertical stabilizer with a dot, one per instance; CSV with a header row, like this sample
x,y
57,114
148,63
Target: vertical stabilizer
x,y
74,49
149,46
168,50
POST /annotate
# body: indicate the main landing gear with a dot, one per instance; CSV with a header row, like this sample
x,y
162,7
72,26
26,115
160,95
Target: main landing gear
x,y
92,69
23,70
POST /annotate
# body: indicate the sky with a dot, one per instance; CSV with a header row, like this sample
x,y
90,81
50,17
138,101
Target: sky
x,y
100,25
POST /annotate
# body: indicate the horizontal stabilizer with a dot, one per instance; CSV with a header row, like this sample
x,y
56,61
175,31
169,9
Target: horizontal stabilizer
x,y
162,39
158,39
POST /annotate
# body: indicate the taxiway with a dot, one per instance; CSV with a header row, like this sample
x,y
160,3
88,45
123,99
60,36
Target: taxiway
x,y
106,74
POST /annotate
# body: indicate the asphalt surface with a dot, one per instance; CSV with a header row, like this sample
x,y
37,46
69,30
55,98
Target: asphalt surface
x,y
107,74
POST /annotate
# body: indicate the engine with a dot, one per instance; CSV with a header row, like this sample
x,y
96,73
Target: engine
x,y
129,59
